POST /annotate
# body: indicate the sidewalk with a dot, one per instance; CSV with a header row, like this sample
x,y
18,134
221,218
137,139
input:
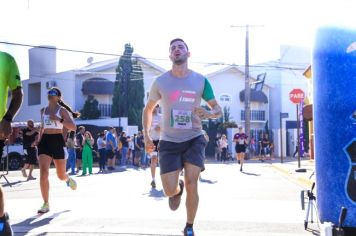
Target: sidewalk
x,y
289,167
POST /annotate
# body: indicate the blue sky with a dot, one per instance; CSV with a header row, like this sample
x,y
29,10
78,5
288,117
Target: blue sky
x,y
106,25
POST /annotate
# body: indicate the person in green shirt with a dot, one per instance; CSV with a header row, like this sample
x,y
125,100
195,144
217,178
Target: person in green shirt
x,y
9,80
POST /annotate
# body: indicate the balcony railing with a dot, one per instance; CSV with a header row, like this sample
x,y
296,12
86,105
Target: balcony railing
x,y
105,110
256,115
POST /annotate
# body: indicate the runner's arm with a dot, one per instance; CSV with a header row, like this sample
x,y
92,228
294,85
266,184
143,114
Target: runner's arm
x,y
215,111
40,132
147,116
15,85
16,101
29,133
208,95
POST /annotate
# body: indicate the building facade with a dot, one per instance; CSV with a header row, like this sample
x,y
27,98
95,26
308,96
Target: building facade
x,y
97,79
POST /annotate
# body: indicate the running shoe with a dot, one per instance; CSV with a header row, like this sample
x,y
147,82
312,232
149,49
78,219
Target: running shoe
x,y
44,209
72,184
241,169
31,178
239,161
6,228
153,184
174,201
188,231
23,171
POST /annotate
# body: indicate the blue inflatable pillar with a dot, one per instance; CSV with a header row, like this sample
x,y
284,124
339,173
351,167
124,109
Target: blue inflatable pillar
x,y
334,78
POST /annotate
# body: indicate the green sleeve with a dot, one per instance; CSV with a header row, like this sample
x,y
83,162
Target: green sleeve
x,y
14,80
208,93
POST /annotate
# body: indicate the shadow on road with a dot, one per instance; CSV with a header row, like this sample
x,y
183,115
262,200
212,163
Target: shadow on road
x,y
157,194
32,222
249,173
11,184
207,181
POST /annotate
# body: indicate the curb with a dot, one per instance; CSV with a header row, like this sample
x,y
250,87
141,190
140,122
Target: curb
x,y
301,181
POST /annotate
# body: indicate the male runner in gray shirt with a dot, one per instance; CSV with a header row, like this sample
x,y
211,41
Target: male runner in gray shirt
x,y
182,142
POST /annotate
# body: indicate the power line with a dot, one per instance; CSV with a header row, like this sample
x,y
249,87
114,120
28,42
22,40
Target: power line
x,y
150,58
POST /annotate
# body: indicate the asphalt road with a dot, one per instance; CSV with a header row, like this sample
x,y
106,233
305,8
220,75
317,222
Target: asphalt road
x,y
259,202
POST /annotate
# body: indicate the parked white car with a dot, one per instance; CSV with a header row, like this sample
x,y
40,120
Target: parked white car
x,y
15,154
15,151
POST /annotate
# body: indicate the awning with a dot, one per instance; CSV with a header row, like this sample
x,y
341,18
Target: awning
x,y
256,96
99,86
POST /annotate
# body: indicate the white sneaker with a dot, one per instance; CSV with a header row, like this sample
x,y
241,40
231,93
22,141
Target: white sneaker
x,y
72,184
44,209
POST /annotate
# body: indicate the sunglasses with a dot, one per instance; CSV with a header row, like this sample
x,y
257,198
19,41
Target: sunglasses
x,y
52,93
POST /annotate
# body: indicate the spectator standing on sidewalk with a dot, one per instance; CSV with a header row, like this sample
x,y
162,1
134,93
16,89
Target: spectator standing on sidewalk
x,y
125,147
131,152
264,148
143,151
271,150
217,148
102,152
79,139
111,148
137,149
29,137
87,155
70,144
223,147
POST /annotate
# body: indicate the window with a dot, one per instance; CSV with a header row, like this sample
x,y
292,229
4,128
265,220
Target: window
x,y
34,94
225,98
256,115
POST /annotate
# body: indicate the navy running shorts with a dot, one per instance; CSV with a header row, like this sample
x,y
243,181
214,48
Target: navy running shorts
x,y
172,156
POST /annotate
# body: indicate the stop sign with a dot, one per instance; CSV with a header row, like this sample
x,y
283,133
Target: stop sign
x,y
296,96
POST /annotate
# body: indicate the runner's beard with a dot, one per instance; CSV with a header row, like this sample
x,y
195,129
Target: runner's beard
x,y
181,60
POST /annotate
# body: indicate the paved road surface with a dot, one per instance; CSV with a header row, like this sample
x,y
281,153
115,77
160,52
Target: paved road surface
x,y
259,202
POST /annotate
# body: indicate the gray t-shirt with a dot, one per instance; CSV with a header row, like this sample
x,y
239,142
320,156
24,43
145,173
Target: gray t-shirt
x,y
178,97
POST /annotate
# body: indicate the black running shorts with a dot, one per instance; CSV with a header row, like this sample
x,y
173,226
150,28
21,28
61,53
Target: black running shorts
x,y
172,156
31,156
240,148
52,145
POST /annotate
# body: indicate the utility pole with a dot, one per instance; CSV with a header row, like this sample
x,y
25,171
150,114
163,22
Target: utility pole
x,y
247,78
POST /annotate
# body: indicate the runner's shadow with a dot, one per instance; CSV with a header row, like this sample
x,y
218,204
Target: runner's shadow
x,y
157,194
248,173
207,181
13,183
32,222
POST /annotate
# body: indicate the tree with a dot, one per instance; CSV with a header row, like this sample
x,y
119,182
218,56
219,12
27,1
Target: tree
x,y
129,89
90,109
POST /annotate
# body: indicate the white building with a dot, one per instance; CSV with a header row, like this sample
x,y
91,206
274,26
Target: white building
x,y
283,76
229,85
228,82
96,79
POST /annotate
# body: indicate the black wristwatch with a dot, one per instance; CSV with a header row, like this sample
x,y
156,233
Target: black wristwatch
x,y
8,117
61,120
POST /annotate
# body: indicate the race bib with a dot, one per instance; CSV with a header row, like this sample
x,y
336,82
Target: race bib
x,y
48,122
182,119
241,141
